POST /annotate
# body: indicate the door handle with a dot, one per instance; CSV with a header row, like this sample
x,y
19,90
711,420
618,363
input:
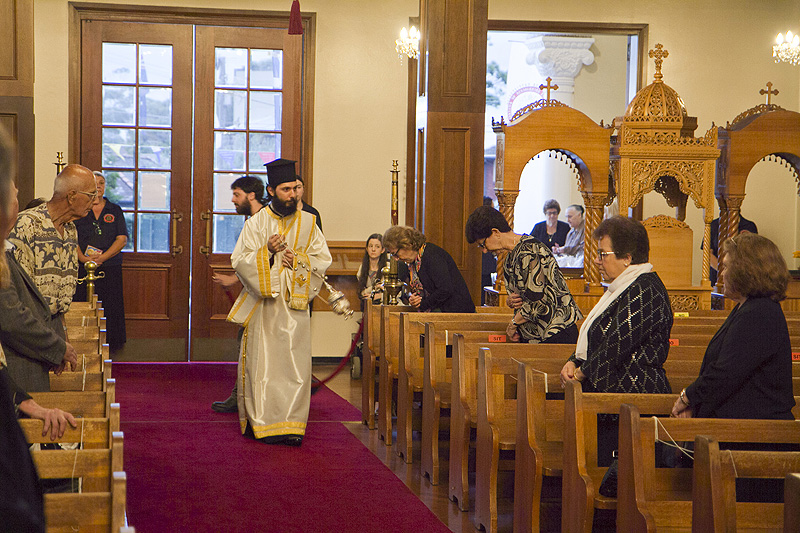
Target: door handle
x,y
176,248
206,248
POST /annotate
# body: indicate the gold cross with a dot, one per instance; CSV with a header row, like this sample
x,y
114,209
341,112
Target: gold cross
x,y
548,87
769,92
659,54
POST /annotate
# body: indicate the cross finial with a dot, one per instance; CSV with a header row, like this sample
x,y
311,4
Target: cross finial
x,y
659,54
548,87
769,92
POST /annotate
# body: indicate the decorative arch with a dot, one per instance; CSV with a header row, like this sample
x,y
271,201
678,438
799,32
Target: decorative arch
x,y
551,125
766,131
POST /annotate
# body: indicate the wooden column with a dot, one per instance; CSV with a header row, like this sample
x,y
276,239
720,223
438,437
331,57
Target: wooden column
x,y
594,215
452,82
16,88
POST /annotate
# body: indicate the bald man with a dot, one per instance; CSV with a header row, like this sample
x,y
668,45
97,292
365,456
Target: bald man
x,y
45,239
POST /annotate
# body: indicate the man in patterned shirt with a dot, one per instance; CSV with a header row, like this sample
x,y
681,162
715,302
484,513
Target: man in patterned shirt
x,y
45,239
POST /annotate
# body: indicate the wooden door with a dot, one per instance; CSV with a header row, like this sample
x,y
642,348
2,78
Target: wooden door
x,y
247,113
172,114
136,126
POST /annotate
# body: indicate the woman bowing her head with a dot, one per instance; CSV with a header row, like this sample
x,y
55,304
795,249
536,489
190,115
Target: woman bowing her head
x,y
623,343
435,282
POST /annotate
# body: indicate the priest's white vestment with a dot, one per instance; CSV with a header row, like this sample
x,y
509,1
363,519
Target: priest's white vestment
x,y
275,353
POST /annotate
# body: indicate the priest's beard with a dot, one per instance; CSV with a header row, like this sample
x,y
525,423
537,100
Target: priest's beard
x,y
286,208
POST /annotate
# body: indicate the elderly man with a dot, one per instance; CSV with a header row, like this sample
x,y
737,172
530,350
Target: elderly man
x,y
280,257
571,254
46,241
32,336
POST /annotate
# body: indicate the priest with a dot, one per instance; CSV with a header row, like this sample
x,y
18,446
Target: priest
x,y
280,258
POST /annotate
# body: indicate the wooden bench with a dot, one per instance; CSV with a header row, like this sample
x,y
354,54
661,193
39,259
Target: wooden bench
x,y
80,380
714,502
652,499
89,404
371,352
437,384
411,361
497,412
87,511
92,432
791,502
581,472
94,466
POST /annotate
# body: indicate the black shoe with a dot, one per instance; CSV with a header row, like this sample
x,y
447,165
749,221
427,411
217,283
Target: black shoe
x,y
228,406
286,440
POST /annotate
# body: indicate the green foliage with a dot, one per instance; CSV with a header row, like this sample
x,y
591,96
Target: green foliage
x,y
496,79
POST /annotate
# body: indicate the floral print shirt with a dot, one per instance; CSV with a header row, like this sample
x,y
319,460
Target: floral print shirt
x,y
50,259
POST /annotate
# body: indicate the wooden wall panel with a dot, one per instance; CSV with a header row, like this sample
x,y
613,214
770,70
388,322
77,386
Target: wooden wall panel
x,y
16,48
450,154
16,117
147,294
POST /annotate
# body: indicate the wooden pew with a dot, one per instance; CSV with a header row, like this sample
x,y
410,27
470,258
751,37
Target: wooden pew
x,y
96,463
581,473
92,432
791,502
652,499
387,365
539,447
88,511
81,381
497,411
714,503
369,364
437,384
88,404
411,361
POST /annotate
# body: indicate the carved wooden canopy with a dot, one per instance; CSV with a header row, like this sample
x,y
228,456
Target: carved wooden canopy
x,y
551,125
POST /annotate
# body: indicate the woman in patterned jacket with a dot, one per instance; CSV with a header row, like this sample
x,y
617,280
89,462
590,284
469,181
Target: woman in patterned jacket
x,y
544,310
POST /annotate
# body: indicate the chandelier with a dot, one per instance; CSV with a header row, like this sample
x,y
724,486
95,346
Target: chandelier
x,y
408,43
787,49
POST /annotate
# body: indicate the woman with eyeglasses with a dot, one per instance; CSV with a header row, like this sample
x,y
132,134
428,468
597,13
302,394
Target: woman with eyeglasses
x,y
624,341
102,234
544,310
435,282
747,367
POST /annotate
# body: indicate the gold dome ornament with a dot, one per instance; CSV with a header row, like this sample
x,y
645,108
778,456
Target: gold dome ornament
x,y
658,104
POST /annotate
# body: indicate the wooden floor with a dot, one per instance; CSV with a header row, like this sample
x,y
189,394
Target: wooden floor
x,y
435,497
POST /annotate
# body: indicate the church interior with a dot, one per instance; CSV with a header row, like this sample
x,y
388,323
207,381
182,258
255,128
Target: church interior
x,y
671,112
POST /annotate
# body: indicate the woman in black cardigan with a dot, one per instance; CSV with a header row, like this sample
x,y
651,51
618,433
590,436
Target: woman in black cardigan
x,y
747,367
435,281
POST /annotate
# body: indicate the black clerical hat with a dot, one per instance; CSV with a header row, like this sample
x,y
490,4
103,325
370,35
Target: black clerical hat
x,y
280,171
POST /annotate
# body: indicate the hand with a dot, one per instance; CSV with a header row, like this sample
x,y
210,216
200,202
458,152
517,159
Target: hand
x,y
288,258
70,360
556,249
276,243
225,280
414,300
680,409
568,373
579,375
514,300
512,332
55,420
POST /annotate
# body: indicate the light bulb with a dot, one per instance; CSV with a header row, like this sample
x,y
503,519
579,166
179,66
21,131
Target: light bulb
x,y
789,36
404,33
779,39
796,40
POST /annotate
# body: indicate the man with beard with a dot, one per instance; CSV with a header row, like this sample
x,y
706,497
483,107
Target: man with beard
x,y
277,252
248,197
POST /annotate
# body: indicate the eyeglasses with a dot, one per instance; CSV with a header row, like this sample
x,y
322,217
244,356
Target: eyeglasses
x,y
481,244
91,195
601,255
97,229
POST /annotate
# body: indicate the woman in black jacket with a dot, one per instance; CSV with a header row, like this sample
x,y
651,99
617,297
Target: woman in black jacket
x,y
747,367
435,282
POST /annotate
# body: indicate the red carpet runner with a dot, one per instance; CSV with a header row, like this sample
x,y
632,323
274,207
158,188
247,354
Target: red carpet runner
x,y
190,470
